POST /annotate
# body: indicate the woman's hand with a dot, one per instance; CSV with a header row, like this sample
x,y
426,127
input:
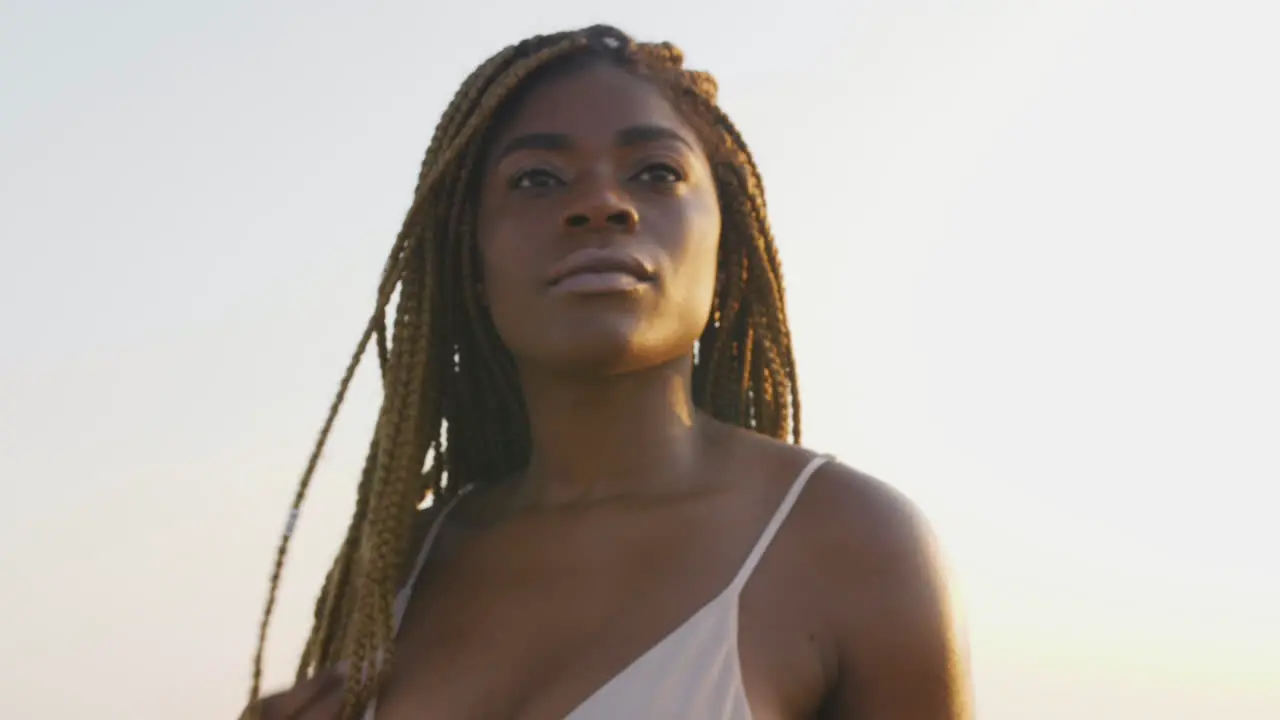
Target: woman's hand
x,y
318,698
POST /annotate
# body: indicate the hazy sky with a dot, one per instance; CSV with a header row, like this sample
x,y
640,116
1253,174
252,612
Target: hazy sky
x,y
1031,249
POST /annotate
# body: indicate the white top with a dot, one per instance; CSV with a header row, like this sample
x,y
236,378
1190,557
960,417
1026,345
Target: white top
x,y
694,672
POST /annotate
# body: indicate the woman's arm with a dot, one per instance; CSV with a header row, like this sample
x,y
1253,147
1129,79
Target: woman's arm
x,y
899,649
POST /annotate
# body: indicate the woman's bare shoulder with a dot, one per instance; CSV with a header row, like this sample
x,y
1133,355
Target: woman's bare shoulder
x,y
841,507
882,592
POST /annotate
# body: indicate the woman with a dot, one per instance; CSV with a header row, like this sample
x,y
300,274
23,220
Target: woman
x,y
591,357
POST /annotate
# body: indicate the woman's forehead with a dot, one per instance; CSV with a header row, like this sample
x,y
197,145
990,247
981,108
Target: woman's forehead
x,y
592,105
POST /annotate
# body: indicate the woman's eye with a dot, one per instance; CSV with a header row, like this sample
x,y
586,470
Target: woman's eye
x,y
659,173
535,179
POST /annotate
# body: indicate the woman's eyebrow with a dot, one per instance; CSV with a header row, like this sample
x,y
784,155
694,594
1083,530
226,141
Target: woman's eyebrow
x,y
641,134
626,137
535,141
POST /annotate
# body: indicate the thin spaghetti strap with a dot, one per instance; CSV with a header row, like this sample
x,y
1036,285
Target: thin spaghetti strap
x,y
784,508
402,598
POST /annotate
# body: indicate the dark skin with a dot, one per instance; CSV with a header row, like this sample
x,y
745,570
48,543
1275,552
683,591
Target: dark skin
x,y
636,509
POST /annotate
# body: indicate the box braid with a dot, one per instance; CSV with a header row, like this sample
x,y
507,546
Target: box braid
x,y
451,400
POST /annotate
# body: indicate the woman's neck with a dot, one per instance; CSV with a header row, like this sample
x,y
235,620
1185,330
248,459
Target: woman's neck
x,y
609,437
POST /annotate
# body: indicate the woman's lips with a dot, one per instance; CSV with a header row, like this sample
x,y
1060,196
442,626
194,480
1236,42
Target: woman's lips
x,y
593,282
596,271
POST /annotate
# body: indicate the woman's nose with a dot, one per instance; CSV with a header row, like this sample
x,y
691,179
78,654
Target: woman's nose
x,y
603,208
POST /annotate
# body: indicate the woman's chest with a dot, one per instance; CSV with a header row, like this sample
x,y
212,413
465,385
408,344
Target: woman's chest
x,y
527,625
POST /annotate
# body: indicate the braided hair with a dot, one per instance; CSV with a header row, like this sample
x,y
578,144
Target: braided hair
x,y
452,408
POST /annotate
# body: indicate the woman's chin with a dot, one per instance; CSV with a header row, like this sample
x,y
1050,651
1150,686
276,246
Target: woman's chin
x,y
601,354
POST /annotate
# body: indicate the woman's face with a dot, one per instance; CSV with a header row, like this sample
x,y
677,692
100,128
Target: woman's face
x,y
599,227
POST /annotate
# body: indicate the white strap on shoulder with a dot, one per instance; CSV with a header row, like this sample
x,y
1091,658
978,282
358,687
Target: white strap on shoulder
x,y
402,598
784,509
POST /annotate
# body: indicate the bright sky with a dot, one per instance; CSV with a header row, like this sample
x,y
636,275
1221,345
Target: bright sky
x,y
1031,253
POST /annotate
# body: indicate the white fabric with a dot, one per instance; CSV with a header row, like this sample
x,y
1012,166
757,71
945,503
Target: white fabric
x,y
691,674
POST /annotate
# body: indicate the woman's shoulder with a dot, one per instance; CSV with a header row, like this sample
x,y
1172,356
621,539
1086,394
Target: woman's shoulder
x,y
840,505
856,525
860,535
860,559
834,489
